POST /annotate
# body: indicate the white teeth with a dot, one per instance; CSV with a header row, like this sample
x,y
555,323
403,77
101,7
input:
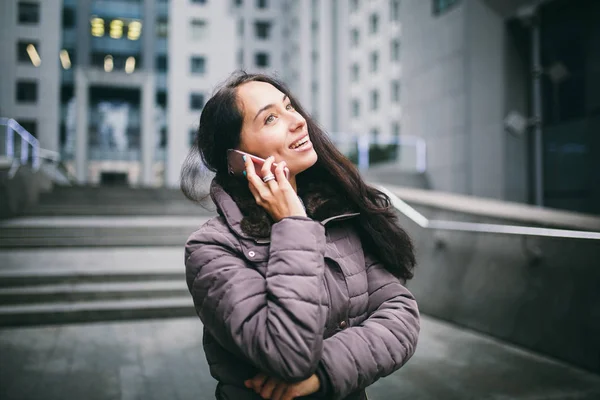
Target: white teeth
x,y
300,143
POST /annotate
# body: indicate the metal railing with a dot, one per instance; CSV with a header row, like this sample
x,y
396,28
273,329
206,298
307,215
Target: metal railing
x,y
474,227
27,140
406,145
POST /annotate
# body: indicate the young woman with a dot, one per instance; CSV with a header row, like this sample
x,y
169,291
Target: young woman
x,y
299,280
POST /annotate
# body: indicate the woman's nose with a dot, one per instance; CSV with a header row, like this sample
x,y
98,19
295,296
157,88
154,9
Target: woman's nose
x,y
297,121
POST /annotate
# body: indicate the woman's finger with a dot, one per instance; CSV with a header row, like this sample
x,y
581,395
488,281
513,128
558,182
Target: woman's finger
x,y
255,183
280,172
266,168
258,381
279,391
268,388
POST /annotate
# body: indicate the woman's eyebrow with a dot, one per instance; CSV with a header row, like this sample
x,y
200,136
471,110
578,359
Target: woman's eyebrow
x,y
267,107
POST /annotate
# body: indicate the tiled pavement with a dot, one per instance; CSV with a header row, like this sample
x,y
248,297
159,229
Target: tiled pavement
x,y
163,359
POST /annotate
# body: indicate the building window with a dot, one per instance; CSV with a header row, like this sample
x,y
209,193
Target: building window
x,y
162,64
197,65
262,29
26,91
198,29
395,89
261,60
162,27
375,135
262,3
395,10
68,21
196,101
29,12
395,50
374,100
374,23
395,129
27,52
192,136
355,73
442,6
355,108
374,61
198,1
355,37
30,125
354,6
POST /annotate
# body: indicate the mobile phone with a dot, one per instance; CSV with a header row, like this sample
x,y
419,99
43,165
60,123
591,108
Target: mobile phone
x,y
237,165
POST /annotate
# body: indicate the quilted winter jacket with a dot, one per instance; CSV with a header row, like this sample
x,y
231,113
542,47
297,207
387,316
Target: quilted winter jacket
x,y
307,300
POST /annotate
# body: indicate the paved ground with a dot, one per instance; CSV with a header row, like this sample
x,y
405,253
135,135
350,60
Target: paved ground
x,y
163,359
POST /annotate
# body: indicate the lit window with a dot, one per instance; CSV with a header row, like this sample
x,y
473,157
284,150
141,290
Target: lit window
x,y
116,29
196,101
197,65
29,12
134,30
198,29
97,28
24,50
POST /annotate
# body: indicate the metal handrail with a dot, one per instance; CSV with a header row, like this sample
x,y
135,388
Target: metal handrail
x,y
475,227
26,139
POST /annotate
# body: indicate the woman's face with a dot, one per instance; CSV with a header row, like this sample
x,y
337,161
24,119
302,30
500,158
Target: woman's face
x,y
272,127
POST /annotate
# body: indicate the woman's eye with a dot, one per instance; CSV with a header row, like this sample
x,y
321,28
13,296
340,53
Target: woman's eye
x,y
289,107
270,119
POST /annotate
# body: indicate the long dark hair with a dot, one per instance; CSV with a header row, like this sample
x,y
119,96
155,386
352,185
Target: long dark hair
x,y
220,128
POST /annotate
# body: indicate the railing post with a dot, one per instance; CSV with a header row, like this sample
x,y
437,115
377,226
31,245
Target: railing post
x,y
363,152
24,150
10,146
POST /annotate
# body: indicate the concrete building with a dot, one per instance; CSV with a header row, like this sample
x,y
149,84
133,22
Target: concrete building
x,y
506,115
30,42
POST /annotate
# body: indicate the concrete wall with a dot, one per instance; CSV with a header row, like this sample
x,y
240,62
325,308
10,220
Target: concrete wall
x,y
539,293
461,76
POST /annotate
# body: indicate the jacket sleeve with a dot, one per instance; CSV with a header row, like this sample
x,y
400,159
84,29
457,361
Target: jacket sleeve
x,y
275,321
358,356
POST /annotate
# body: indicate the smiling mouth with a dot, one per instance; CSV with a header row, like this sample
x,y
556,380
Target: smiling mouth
x,y
299,142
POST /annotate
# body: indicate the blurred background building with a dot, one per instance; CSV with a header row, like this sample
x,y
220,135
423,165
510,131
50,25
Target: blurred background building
x,y
503,93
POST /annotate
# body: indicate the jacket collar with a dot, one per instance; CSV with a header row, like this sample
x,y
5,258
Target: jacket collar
x,y
250,221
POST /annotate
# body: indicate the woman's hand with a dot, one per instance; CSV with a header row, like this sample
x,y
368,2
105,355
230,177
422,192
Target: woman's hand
x,y
277,196
275,389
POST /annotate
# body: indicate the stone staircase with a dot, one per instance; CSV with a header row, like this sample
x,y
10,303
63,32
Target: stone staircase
x,y
91,254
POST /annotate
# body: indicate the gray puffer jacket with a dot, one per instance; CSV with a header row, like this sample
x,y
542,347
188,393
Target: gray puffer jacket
x,y
307,300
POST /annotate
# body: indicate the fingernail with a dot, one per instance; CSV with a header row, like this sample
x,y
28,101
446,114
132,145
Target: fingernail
x,y
244,173
244,158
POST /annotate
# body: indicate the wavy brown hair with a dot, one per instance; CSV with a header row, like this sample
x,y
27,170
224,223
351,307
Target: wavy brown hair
x,y
220,129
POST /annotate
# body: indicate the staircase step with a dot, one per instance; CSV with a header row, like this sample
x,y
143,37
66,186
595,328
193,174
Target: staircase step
x,y
12,279
92,311
92,291
97,231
